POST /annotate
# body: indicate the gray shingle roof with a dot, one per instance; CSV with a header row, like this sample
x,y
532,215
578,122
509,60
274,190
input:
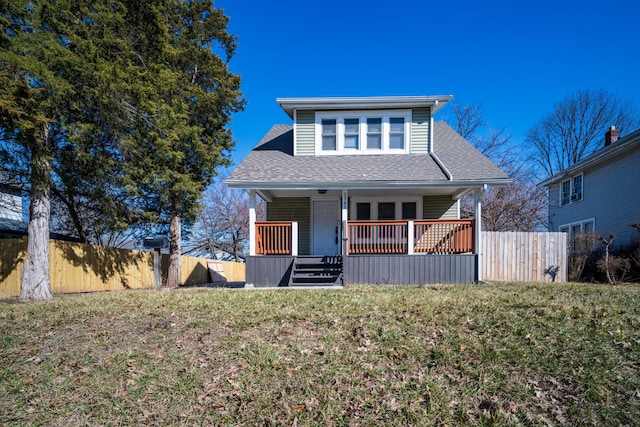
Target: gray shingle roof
x,y
272,162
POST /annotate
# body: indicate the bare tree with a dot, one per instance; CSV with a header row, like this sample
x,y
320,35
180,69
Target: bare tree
x,y
521,206
223,224
576,127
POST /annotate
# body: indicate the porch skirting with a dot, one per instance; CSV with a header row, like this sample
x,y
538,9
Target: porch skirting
x,y
263,271
410,269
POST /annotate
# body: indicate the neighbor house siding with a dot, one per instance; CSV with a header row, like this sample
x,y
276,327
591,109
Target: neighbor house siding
x,y
439,207
293,209
420,121
609,195
305,133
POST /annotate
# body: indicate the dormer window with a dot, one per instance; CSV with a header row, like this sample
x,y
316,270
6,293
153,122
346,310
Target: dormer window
x,y
363,132
329,135
396,133
374,133
351,133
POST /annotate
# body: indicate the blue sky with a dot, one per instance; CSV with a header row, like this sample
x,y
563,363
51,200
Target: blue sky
x,y
515,58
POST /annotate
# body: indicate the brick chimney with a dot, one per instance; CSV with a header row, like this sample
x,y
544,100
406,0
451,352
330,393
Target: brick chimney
x,y
611,136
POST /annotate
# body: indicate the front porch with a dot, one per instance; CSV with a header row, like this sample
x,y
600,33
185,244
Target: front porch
x,y
373,252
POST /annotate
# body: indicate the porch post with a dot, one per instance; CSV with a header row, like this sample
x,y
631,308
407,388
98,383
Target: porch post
x,y
410,237
252,222
478,228
344,249
294,238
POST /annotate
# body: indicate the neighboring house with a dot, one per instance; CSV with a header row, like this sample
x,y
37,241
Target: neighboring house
x,y
599,193
11,219
364,190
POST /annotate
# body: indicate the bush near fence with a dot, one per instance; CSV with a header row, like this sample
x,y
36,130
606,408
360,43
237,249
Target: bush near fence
x,y
76,267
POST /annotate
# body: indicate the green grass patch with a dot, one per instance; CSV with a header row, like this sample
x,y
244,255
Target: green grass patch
x,y
504,354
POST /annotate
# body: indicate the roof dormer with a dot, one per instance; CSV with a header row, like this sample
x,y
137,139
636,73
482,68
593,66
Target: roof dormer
x,y
354,126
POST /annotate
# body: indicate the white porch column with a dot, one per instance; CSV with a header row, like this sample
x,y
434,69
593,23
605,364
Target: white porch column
x,y
478,192
410,237
345,219
294,238
252,222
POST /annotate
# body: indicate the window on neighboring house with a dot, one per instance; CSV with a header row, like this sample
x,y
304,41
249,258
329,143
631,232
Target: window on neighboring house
x,y
587,227
580,235
352,133
374,133
571,190
396,133
329,135
576,192
565,197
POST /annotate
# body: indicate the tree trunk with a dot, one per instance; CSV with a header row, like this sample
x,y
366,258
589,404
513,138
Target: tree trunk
x,y
173,274
35,271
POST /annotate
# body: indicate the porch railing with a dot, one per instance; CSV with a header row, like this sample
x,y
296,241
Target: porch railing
x,y
443,236
426,236
274,238
377,237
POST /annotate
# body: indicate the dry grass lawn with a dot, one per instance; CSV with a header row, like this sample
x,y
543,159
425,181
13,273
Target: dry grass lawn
x,y
503,354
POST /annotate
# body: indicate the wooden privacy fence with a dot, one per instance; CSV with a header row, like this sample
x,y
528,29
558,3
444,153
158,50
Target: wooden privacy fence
x,y
75,267
524,257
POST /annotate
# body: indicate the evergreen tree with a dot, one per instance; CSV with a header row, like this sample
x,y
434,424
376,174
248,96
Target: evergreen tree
x,y
121,108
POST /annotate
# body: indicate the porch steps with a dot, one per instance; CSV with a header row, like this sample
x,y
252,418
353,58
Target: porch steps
x,y
317,270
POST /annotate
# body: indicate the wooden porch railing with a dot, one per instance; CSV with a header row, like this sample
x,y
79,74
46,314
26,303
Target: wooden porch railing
x,y
443,236
377,237
273,238
429,236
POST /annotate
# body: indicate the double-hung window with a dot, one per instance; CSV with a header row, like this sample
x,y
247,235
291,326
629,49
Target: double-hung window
x,y
571,190
374,133
352,133
565,197
576,192
396,133
329,135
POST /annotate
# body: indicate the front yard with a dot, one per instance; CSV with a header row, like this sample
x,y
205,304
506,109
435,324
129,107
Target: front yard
x,y
508,354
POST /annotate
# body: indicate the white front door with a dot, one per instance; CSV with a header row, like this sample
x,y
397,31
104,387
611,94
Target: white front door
x,y
326,220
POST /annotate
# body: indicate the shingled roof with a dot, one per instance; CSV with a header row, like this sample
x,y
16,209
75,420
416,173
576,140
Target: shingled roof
x,y
272,164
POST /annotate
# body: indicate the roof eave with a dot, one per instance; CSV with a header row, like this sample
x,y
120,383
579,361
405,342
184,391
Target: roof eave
x,y
435,102
624,144
366,185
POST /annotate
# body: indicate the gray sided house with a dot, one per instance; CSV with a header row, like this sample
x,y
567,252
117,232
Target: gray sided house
x,y
600,193
364,190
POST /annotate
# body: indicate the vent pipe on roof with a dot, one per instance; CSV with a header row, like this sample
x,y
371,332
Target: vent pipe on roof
x,y
610,136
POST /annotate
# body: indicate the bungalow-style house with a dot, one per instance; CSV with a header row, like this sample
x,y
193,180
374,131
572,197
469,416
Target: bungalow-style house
x,y
599,193
364,190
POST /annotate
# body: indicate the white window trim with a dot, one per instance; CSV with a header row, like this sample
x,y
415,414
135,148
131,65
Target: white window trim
x,y
571,190
340,116
374,205
570,225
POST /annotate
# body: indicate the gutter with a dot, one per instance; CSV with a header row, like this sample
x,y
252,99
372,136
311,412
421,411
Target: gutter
x,y
372,185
